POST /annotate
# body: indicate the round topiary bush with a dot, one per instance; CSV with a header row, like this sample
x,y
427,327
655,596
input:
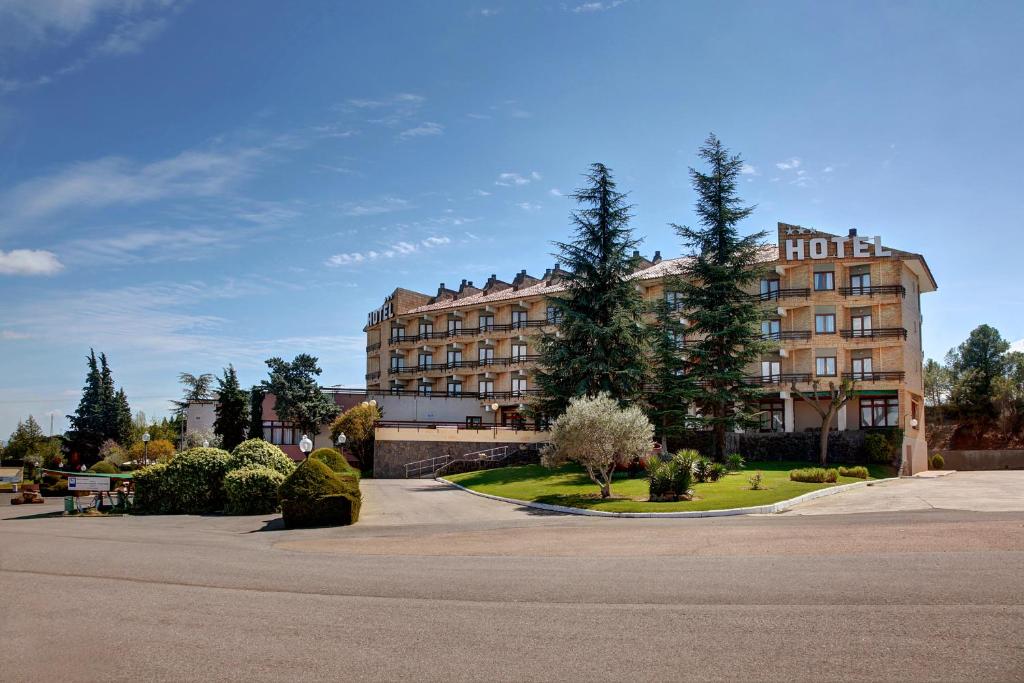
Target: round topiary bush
x,y
335,460
194,481
104,467
938,462
252,490
314,495
259,453
149,490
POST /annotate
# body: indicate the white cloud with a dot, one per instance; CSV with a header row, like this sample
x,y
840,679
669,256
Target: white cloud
x,y
404,99
424,129
482,193
376,207
118,181
555,192
488,11
747,169
29,262
529,206
828,169
789,164
597,6
150,245
515,179
11,335
354,258
33,21
1017,345
130,36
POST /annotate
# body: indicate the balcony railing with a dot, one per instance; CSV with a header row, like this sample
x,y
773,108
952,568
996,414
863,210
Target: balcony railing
x,y
875,333
481,395
886,376
873,290
467,331
784,378
372,375
790,293
370,348
787,335
461,364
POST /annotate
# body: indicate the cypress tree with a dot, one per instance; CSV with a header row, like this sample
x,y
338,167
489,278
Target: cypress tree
x,y
256,396
232,410
123,425
600,345
722,315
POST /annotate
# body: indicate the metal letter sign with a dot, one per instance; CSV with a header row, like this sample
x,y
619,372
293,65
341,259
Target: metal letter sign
x,y
818,248
385,312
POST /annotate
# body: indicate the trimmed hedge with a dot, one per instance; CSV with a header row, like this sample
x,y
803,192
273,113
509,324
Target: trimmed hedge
x,y
194,481
849,447
150,496
335,460
104,467
259,453
814,475
314,495
858,472
252,490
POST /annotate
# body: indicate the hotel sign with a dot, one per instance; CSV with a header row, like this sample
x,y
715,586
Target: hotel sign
x,y
797,249
385,312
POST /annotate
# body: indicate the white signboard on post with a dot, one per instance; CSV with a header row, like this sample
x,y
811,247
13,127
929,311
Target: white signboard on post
x,y
88,484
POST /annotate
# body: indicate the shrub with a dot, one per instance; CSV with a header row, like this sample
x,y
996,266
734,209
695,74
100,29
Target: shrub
x,y
671,479
54,486
938,462
857,472
104,467
718,470
814,475
705,470
259,453
159,450
756,482
335,460
252,490
883,446
735,462
150,495
194,481
312,496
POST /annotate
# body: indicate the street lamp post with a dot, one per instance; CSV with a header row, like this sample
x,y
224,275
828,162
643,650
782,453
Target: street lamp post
x,y
305,445
145,448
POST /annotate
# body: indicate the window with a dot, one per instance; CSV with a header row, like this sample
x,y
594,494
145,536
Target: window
x,y
486,323
677,338
486,388
474,421
861,325
773,416
518,386
454,326
825,366
771,371
824,281
913,415
426,360
880,411
280,433
397,333
426,330
425,389
454,358
554,315
518,319
397,362
769,289
518,351
485,355
825,323
454,388
860,283
861,368
771,329
674,300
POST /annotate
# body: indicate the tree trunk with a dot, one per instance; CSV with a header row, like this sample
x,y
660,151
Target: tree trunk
x,y
826,424
606,490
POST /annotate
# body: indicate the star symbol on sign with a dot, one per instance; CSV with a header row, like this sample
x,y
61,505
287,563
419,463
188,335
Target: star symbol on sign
x,y
789,231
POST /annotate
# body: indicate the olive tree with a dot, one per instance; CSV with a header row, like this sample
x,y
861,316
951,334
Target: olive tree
x,y
599,435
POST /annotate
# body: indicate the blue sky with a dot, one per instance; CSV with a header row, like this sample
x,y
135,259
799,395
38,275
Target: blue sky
x,y
187,184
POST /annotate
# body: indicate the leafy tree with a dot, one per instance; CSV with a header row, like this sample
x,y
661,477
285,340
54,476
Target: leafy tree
x,y
159,450
297,395
232,409
195,388
838,396
671,390
356,424
975,365
600,345
1009,392
256,396
937,385
722,315
599,435
26,439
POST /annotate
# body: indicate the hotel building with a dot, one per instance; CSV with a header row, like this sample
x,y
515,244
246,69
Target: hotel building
x,y
834,306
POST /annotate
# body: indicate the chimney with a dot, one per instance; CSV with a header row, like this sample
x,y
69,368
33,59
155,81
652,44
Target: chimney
x,y
636,253
853,232
657,257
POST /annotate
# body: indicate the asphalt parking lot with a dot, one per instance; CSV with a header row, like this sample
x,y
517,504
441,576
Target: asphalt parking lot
x,y
436,584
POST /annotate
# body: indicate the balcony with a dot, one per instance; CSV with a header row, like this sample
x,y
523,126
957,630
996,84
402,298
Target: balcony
x,y
370,376
467,332
776,294
373,347
481,395
785,378
876,290
787,335
462,364
887,376
875,333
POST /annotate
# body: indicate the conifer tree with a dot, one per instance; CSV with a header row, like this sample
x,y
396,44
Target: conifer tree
x,y
600,345
723,317
297,395
123,426
232,410
671,390
256,396
25,440
86,433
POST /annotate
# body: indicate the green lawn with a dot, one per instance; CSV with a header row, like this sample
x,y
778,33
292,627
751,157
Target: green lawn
x,y
570,486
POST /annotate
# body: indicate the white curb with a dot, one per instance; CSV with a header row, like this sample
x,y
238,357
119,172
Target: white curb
x,y
756,510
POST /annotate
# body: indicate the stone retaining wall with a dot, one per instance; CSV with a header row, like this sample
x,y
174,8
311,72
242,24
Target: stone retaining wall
x,y
983,460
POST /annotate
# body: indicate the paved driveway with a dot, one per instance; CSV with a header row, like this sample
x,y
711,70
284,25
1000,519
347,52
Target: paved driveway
x,y
1000,491
399,502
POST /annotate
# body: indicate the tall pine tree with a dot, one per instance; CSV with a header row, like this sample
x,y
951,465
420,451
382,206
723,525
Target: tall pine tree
x,y
256,396
723,317
600,345
86,432
671,390
232,409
